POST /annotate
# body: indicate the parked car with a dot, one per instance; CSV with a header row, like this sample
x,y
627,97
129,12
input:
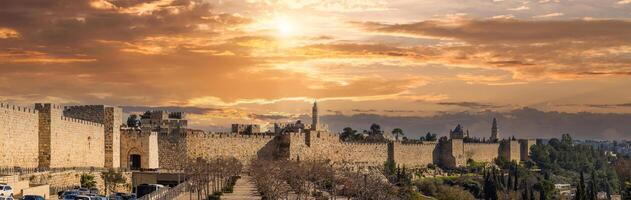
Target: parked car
x,y
94,190
82,197
97,197
70,193
122,196
6,190
6,198
32,197
69,196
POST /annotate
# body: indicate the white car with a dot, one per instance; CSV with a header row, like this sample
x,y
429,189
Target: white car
x,y
6,191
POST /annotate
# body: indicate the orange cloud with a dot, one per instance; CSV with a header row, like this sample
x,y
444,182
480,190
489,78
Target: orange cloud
x,y
8,33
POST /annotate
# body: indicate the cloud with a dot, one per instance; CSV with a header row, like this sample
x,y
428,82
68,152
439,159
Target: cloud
x,y
517,45
624,2
466,104
609,105
557,14
509,16
8,33
523,7
186,109
329,5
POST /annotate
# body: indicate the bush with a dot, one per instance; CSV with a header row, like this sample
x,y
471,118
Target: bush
x,y
87,181
436,188
215,196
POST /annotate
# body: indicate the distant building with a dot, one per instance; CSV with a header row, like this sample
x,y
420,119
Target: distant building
x,y
297,127
495,135
246,129
457,133
163,120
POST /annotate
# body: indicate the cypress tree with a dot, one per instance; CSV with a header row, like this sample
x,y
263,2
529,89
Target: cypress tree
x,y
515,186
580,189
524,194
509,183
592,187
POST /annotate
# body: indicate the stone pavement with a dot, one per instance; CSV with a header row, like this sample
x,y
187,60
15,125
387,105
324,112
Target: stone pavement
x,y
244,189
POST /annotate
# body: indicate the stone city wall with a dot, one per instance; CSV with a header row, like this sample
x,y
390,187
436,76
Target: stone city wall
x,y
510,150
18,130
481,152
415,155
140,143
242,147
68,142
111,118
525,145
327,146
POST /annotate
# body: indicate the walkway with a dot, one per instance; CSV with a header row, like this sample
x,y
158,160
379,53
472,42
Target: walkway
x,y
244,189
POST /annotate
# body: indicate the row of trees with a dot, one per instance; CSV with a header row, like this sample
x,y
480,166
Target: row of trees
x,y
276,179
375,134
210,177
319,180
564,158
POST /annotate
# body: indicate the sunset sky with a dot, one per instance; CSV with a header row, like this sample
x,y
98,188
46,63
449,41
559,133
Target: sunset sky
x,y
262,61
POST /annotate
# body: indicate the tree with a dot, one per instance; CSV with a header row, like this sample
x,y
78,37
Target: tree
x,y
580,189
592,187
375,129
348,134
490,185
430,137
133,121
396,132
112,179
566,139
87,181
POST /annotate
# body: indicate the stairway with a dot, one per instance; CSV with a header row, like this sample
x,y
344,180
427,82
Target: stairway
x,y
244,189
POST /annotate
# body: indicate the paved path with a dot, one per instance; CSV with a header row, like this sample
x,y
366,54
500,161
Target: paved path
x,y
244,189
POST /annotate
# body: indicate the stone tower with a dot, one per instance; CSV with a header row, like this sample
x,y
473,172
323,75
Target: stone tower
x,y
494,132
315,117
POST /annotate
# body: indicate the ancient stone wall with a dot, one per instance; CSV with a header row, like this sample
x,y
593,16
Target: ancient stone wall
x,y
143,143
172,150
525,145
481,152
243,147
510,150
177,147
68,142
111,118
18,132
415,155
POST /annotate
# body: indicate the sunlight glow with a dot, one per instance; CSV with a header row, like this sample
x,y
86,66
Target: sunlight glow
x,y
284,26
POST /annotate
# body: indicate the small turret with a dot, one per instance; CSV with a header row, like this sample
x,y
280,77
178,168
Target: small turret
x,y
494,131
315,117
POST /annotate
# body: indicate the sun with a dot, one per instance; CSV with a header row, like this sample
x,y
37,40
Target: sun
x,y
284,26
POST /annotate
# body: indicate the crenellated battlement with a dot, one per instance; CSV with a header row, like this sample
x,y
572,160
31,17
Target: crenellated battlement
x,y
431,144
17,108
364,144
481,144
48,106
227,135
79,121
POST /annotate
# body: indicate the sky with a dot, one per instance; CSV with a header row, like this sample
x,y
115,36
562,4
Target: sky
x,y
407,63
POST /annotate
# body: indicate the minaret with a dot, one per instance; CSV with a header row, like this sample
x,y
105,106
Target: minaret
x,y
315,117
494,134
